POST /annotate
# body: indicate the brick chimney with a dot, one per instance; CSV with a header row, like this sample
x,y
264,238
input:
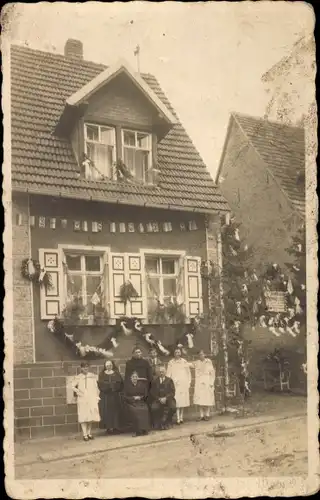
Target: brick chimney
x,y
73,49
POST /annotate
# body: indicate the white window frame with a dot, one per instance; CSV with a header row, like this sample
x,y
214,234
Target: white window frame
x,y
162,254
114,145
83,250
136,148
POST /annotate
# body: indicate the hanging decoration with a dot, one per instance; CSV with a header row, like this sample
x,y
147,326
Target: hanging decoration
x,y
127,292
32,271
131,227
125,326
56,326
122,171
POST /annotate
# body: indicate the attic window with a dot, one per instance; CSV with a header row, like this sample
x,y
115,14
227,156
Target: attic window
x,y
100,149
137,153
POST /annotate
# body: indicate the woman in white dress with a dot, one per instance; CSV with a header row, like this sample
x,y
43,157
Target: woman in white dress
x,y
204,385
85,387
179,371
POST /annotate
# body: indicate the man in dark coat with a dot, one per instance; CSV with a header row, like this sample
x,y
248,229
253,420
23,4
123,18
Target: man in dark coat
x,y
140,366
163,400
154,362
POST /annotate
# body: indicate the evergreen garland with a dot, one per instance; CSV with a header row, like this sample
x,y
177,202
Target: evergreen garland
x,y
127,292
32,271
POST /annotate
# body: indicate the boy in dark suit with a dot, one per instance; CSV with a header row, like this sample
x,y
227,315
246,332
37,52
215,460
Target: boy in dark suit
x,y
154,362
163,400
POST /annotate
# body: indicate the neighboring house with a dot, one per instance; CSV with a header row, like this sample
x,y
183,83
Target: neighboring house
x,y
262,176
106,187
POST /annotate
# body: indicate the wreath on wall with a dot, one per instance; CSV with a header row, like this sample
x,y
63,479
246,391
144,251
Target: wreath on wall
x,y
125,326
32,271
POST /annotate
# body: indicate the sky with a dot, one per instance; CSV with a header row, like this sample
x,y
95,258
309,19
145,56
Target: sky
x,y
208,57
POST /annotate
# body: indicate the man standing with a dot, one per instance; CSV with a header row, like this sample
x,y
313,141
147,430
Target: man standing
x,y
140,366
163,401
154,361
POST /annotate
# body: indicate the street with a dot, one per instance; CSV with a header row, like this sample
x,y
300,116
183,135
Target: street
x,y
275,449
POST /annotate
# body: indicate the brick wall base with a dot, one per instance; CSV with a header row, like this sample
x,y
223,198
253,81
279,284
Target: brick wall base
x,y
40,398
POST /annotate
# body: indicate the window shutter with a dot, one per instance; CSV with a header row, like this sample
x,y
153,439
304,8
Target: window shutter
x,y
105,282
124,267
50,298
193,287
135,273
117,276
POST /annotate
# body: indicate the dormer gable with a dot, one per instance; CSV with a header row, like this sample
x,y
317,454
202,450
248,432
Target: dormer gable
x,y
114,123
122,67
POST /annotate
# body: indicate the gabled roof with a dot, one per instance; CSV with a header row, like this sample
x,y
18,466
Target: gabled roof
x,y
43,163
109,74
282,149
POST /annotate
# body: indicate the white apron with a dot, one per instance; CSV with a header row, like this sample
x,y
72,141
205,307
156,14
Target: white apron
x,y
179,371
204,383
86,388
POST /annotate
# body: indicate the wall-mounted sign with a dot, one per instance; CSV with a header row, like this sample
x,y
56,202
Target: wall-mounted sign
x,y
276,302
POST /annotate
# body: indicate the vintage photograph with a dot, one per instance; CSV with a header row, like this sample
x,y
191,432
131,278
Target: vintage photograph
x,y
160,249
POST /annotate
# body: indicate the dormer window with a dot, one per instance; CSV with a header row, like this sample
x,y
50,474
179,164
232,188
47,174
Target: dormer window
x,y
100,148
137,153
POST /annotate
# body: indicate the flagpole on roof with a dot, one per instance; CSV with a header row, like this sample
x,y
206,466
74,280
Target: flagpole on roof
x,y
137,54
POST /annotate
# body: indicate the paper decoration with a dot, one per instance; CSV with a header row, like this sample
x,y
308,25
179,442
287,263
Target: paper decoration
x,y
52,223
77,225
149,227
112,227
64,223
131,227
141,227
155,227
32,221
95,299
192,225
42,222
182,226
167,227
122,227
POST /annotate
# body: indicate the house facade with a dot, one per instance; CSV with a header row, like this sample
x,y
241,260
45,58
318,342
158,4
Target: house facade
x,y
262,176
108,190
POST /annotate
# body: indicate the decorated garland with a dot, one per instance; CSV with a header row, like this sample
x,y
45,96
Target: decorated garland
x,y
125,326
32,271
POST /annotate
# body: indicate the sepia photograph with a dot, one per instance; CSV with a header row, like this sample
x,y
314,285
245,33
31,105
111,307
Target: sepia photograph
x,y
160,312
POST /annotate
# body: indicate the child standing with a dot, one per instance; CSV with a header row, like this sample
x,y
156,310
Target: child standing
x,y
86,389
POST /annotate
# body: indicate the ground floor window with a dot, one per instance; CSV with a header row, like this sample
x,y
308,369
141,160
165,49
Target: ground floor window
x,y
85,280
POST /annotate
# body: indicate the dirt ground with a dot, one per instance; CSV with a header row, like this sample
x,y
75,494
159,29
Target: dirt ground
x,y
276,449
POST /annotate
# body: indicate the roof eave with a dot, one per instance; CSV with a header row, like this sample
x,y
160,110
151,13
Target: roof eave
x,y
179,208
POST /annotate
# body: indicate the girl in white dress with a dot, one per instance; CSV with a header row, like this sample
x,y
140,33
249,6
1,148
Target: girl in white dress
x,y
86,390
179,371
204,385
